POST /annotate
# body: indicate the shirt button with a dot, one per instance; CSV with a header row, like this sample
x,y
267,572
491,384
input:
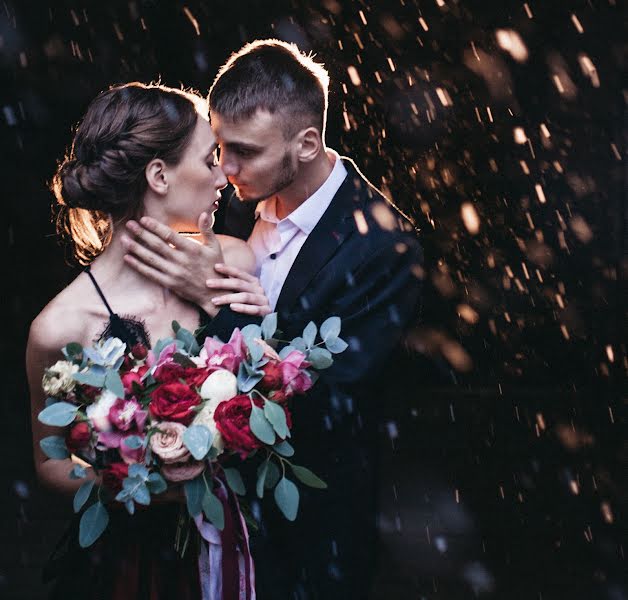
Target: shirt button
x,y
273,256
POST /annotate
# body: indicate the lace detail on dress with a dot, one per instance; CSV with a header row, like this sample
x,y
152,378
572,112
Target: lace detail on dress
x,y
129,328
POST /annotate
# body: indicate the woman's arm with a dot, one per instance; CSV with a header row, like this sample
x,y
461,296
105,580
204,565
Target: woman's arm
x,y
44,349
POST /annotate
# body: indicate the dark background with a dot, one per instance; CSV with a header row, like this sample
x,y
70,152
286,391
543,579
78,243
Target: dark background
x,y
505,469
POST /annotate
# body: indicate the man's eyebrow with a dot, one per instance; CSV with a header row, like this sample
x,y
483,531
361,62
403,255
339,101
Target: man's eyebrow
x,y
242,145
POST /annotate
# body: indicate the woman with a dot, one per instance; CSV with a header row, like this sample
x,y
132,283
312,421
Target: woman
x,y
140,150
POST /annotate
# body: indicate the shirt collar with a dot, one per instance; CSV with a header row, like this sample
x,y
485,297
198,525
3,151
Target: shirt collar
x,y
308,214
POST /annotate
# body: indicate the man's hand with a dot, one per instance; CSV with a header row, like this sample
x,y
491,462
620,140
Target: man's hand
x,y
175,262
247,294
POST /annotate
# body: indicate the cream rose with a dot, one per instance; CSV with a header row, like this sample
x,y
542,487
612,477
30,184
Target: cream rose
x,y
167,442
58,378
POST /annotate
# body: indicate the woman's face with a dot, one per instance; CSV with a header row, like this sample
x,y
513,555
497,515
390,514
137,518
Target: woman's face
x,y
194,184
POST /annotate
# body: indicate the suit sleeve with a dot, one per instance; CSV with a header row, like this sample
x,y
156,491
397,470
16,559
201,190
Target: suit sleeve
x,y
223,324
381,302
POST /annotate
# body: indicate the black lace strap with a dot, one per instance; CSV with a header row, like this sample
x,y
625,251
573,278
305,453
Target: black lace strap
x,y
91,276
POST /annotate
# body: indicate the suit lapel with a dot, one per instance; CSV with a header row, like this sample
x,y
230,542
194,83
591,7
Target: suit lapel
x,y
334,227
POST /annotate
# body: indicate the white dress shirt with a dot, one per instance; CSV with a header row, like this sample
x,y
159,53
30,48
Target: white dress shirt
x,y
276,242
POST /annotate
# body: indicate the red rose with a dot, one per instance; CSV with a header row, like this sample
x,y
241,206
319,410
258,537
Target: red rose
x,y
232,420
113,475
273,377
78,436
127,364
174,402
133,376
172,372
139,351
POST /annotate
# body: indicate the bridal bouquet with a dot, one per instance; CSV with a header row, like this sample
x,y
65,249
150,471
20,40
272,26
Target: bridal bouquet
x,y
146,419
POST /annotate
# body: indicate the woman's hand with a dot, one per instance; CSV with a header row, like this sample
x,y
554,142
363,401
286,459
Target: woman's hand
x,y
247,295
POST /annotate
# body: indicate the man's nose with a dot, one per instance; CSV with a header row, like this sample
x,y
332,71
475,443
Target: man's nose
x,y
228,164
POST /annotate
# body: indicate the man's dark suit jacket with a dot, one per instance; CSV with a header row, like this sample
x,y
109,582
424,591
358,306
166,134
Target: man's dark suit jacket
x,y
362,262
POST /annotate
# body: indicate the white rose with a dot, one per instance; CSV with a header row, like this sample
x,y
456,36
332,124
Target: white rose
x,y
98,412
58,378
206,417
219,386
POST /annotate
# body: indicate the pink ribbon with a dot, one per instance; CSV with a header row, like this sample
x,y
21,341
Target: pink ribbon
x,y
225,564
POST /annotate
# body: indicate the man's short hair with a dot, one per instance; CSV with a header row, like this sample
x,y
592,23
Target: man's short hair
x,y
275,76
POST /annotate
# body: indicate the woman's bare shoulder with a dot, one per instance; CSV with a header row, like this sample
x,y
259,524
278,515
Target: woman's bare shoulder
x,y
237,253
61,321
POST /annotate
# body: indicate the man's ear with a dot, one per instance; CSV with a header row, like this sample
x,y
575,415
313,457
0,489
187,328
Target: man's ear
x,y
156,176
309,144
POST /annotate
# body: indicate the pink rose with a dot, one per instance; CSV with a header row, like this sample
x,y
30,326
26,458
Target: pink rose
x,y
182,471
167,442
295,379
133,377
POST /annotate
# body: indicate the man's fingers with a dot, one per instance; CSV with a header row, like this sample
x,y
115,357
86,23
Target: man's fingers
x,y
234,285
207,233
159,236
247,309
235,272
148,255
240,297
148,271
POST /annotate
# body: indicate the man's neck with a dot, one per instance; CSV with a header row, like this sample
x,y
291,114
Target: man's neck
x,y
310,178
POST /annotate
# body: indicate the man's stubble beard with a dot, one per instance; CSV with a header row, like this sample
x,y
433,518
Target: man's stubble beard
x,y
285,177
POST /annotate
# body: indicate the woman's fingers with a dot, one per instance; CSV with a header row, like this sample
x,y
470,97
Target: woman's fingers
x,y
234,284
241,298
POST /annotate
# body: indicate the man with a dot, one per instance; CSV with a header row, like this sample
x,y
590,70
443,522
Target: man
x,y
326,243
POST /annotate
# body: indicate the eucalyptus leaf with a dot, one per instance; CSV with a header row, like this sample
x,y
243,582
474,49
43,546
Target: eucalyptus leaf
x,y
189,341
94,377
78,472
255,350
54,446
320,358
133,442
161,344
273,475
93,522
82,495
138,470
269,325
142,494
130,507
156,483
287,498
214,511
183,360
309,334
58,414
298,343
114,384
73,350
262,470
251,331
246,380
284,449
260,426
198,440
234,479
194,492
330,328
308,478
283,353
336,345
277,417
175,326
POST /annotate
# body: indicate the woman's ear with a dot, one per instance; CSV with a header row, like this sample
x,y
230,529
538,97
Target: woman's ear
x,y
156,176
309,144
